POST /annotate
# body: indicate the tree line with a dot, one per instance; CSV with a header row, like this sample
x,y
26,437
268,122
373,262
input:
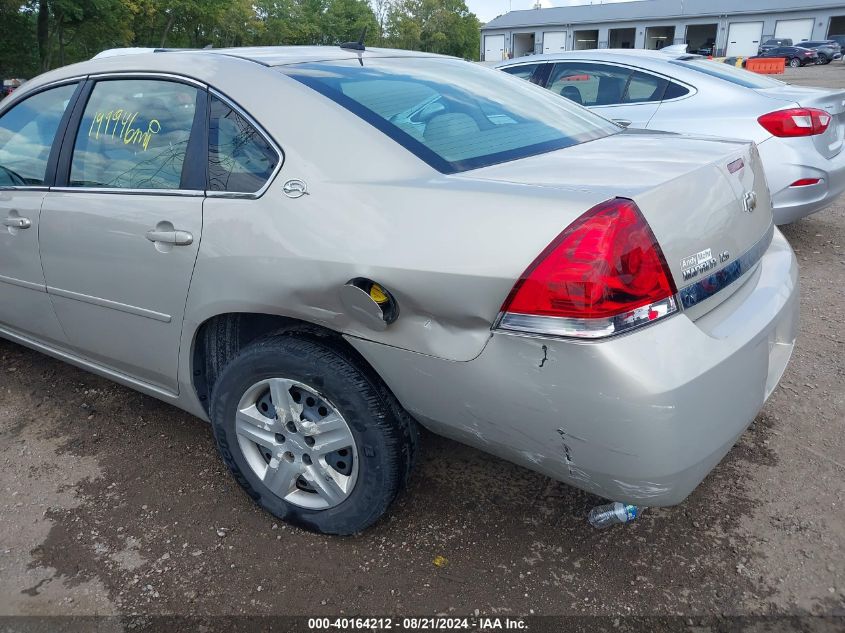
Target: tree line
x,y
37,36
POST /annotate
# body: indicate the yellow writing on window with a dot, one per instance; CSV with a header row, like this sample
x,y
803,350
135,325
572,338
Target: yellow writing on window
x,y
122,124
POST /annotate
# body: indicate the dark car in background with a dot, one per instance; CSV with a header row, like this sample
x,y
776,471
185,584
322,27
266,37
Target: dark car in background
x,y
795,56
839,39
827,50
708,49
774,43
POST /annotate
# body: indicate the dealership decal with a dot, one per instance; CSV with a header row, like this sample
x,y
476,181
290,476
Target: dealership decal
x,y
125,120
702,261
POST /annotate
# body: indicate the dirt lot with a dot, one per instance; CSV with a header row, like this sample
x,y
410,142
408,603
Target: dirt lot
x,y
114,503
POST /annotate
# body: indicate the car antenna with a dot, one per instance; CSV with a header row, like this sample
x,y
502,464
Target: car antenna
x,y
356,46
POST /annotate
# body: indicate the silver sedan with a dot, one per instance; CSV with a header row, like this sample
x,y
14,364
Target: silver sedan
x,y
379,239
799,131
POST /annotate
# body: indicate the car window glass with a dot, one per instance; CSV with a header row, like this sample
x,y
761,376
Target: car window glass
x,y
134,135
589,84
729,73
643,87
523,71
453,115
673,91
27,131
240,159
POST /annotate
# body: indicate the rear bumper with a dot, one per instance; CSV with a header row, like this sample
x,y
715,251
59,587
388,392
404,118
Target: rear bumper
x,y
641,418
789,160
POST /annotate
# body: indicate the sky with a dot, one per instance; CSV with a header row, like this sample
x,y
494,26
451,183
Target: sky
x,y
486,10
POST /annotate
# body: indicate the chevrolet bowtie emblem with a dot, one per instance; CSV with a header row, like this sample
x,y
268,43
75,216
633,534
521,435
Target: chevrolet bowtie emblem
x,y
749,201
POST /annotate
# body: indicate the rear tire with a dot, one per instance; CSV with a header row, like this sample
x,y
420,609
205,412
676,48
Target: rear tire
x,y
794,62
267,409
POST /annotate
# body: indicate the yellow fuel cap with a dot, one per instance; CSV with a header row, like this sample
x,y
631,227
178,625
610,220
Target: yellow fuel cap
x,y
378,294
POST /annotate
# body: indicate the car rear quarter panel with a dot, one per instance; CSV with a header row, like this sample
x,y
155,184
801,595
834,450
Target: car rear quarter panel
x,y
448,248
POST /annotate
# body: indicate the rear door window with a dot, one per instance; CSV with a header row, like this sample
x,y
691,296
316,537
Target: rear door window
x,y
27,132
590,84
675,91
643,88
240,158
523,71
729,73
605,84
134,135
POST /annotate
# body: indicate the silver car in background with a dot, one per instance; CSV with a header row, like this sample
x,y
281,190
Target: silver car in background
x,y
377,239
799,131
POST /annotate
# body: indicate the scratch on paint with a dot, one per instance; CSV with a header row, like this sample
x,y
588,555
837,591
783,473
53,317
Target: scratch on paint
x,y
566,450
545,355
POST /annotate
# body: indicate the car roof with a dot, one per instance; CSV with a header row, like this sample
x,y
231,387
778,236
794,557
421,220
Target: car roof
x,y
653,60
621,55
276,55
207,64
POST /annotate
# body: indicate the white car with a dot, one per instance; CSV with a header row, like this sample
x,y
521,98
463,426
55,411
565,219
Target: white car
x,y
798,130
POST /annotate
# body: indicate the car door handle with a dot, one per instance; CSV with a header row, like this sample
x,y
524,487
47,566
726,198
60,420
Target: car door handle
x,y
177,238
17,223
622,122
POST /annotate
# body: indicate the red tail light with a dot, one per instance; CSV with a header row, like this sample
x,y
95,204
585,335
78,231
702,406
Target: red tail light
x,y
796,122
805,182
603,274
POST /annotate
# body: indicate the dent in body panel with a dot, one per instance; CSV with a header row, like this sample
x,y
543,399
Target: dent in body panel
x,y
632,418
291,258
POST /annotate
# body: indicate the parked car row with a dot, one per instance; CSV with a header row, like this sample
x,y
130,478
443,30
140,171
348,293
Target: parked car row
x,y
798,131
794,56
415,239
803,53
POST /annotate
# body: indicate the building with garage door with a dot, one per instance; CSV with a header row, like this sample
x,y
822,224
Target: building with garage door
x,y
728,27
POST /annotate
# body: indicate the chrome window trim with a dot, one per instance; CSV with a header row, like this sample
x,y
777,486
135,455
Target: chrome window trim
x,y
123,74
190,193
24,188
28,92
280,154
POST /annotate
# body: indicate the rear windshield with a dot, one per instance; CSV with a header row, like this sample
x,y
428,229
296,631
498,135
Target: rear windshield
x,y
730,73
452,114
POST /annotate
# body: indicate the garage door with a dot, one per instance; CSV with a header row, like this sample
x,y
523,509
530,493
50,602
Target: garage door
x,y
796,30
494,48
554,41
744,38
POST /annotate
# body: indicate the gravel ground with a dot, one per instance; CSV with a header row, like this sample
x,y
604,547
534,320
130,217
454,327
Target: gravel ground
x,y
114,503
